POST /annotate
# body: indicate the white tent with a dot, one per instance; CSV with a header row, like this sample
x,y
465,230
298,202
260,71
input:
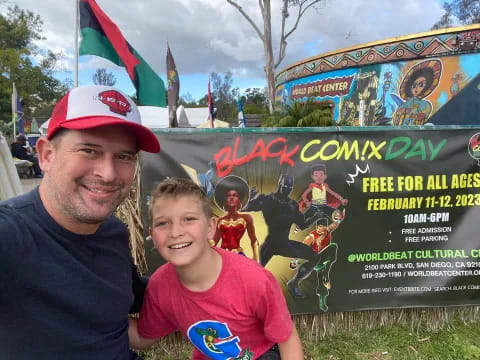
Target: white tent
x,y
156,117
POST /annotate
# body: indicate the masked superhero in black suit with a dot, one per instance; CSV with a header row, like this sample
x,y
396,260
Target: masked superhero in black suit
x,y
280,212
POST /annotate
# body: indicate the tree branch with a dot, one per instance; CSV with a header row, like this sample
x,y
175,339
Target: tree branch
x,y
285,14
245,15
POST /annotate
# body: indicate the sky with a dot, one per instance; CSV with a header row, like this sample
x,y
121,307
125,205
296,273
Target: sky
x,y
211,35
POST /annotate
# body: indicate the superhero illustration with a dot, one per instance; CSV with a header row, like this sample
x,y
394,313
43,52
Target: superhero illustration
x,y
231,192
280,212
320,240
319,200
359,108
418,83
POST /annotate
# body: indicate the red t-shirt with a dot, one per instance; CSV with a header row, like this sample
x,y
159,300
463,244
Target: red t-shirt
x,y
244,311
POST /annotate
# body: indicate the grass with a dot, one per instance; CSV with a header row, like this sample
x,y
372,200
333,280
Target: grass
x,y
456,340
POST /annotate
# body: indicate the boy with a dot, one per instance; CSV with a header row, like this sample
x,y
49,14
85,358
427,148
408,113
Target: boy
x,y
227,305
319,199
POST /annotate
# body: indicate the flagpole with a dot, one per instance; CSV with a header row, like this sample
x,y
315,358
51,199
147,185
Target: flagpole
x,y
14,107
76,42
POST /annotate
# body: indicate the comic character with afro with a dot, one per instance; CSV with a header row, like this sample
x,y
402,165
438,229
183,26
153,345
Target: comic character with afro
x,y
231,193
418,83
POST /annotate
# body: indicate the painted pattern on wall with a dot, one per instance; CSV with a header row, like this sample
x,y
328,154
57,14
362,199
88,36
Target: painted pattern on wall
x,y
369,86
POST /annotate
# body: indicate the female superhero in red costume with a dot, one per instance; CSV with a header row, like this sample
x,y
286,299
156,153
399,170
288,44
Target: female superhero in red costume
x,y
230,193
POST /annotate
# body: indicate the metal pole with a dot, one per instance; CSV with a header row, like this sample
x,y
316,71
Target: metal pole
x,y
76,42
14,107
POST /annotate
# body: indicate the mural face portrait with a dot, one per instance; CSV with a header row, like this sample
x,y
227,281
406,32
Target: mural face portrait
x,y
231,192
421,79
418,86
233,200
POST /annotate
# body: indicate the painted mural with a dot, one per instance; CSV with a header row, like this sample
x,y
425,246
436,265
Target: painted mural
x,y
431,78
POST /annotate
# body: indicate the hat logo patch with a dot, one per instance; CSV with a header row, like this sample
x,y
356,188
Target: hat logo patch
x,y
116,102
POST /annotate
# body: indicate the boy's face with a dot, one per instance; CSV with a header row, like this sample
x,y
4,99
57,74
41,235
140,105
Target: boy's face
x,y
180,229
319,176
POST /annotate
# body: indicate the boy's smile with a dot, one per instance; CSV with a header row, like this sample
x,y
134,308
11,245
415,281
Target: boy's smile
x,y
180,229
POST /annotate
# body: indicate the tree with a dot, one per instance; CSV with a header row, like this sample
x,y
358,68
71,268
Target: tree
x,y
35,83
466,11
187,100
254,101
102,77
300,7
224,96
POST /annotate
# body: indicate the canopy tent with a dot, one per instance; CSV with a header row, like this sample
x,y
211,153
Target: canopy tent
x,y
218,124
156,117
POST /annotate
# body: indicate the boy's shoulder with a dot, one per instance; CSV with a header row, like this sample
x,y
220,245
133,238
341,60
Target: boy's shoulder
x,y
244,267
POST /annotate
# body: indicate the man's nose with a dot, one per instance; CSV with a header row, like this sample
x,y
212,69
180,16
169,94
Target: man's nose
x,y
106,168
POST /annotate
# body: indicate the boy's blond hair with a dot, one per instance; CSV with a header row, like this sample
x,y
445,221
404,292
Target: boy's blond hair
x,y
175,187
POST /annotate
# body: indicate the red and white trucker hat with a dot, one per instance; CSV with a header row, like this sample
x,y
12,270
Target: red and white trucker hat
x,y
87,107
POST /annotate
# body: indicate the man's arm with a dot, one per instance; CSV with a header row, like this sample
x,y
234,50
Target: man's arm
x,y
292,348
135,339
139,284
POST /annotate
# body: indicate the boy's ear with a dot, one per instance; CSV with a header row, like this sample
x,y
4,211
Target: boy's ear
x,y
212,226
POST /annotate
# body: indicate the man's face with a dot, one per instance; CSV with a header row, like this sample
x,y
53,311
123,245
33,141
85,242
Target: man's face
x,y
233,199
319,176
88,173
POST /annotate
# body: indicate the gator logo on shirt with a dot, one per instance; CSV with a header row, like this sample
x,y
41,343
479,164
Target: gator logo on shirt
x,y
215,340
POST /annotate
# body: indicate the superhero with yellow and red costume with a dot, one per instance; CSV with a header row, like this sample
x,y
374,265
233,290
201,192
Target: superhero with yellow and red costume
x,y
231,192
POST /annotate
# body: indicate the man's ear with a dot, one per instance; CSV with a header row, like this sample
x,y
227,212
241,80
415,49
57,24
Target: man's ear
x,y
45,153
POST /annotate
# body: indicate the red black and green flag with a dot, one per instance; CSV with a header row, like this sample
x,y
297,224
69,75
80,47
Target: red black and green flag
x,y
101,37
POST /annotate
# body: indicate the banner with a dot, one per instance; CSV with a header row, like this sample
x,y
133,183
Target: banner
x,y
346,219
173,89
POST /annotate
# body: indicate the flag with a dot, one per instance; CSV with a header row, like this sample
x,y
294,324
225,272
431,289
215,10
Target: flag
x,y
173,88
241,117
101,37
211,110
17,112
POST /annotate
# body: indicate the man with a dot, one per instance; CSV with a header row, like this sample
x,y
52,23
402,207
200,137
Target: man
x,y
66,274
280,212
18,150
